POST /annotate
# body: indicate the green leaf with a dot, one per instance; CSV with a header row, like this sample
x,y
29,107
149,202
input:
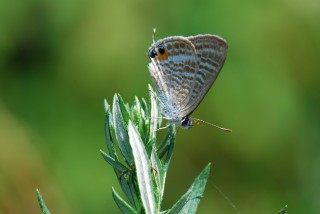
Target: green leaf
x,y
145,118
108,126
137,119
164,142
159,173
178,206
124,109
134,192
171,143
122,204
154,114
43,206
120,126
142,169
119,167
136,111
126,188
143,179
144,106
188,203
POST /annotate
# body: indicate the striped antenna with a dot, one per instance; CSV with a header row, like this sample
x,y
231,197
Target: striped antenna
x,y
211,124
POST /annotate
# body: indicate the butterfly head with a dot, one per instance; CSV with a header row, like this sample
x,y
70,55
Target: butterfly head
x,y
186,122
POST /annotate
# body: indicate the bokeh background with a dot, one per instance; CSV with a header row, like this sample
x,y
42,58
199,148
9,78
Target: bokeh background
x,y
60,59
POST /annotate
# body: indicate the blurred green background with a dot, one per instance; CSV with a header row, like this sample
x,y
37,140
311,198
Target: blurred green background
x,y
60,59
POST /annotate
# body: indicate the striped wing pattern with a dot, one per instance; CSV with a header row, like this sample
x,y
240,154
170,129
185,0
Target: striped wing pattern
x,y
211,53
183,69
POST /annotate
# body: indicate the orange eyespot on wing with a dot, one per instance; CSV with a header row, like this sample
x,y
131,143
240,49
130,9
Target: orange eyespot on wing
x,y
162,56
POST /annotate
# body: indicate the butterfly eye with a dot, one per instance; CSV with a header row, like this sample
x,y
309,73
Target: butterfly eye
x,y
153,53
161,49
186,122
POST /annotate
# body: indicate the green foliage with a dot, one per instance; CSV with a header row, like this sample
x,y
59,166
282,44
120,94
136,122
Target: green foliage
x,y
43,207
142,176
188,203
283,210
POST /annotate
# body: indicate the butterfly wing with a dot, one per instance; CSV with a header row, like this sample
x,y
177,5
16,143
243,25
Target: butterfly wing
x,y
211,53
173,69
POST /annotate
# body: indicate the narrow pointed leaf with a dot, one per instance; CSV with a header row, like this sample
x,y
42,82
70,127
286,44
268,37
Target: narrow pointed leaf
x,y
43,206
159,172
122,204
136,111
125,109
154,114
108,124
125,186
172,140
145,121
114,163
156,165
133,189
136,117
178,206
144,106
142,169
190,200
165,140
121,130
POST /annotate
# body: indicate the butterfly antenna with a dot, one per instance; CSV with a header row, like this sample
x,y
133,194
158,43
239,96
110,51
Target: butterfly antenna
x,y
211,124
153,35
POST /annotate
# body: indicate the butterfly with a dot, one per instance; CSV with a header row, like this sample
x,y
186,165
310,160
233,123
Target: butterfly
x,y
183,70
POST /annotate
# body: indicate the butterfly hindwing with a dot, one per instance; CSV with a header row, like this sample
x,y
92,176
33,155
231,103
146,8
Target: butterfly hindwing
x,y
173,72
211,53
